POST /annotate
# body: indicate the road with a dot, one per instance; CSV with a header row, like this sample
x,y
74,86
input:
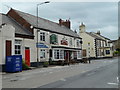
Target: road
x,y
103,77
101,73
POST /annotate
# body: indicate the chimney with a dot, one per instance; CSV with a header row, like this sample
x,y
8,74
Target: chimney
x,y
60,22
65,23
98,32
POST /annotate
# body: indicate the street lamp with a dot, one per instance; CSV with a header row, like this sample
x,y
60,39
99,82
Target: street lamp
x,y
39,30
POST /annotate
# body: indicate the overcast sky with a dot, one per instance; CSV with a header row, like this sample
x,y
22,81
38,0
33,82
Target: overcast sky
x,y
97,16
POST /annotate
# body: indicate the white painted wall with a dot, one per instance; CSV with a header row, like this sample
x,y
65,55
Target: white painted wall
x,y
7,33
47,42
60,37
88,39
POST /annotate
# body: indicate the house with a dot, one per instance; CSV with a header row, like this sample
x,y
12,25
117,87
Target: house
x,y
94,44
11,34
42,42
116,46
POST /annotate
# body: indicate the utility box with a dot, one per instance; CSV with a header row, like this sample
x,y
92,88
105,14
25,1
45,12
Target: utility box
x,y
14,63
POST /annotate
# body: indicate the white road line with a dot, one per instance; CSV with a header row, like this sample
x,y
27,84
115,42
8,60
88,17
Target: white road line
x,y
117,80
62,79
50,72
112,83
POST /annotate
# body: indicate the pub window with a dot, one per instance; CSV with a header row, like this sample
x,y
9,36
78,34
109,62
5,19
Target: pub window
x,y
42,53
42,36
58,54
78,43
70,41
79,54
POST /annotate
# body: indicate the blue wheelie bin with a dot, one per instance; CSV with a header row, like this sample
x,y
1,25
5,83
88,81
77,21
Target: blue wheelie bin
x,y
14,63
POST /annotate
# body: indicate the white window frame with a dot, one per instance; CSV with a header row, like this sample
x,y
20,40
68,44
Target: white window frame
x,y
58,54
78,42
42,53
71,42
42,36
18,43
79,54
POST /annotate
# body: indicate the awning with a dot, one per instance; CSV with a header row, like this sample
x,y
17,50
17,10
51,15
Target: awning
x,y
41,45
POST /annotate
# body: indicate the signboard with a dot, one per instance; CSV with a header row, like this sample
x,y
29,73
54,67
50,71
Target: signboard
x,y
53,39
64,42
41,45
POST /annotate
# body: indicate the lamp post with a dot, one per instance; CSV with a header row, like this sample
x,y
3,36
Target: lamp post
x,y
38,30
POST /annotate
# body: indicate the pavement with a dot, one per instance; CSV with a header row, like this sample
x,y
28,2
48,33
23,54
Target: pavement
x,y
43,76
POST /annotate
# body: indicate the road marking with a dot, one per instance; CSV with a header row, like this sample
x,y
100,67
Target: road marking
x,y
91,73
13,80
117,79
62,79
113,83
50,72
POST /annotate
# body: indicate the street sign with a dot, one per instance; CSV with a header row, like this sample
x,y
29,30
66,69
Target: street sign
x,y
41,45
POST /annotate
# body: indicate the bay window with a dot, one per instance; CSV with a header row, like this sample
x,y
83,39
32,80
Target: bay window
x,y
58,54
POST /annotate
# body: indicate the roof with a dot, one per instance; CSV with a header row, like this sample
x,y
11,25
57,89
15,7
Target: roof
x,y
94,35
18,28
103,37
46,24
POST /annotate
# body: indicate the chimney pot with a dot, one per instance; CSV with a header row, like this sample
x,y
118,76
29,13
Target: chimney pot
x,y
98,32
65,23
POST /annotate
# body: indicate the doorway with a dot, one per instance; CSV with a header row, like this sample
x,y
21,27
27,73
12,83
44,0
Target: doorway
x,y
27,56
8,47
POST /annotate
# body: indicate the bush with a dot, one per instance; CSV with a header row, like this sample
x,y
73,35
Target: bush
x,y
53,63
24,66
46,64
116,52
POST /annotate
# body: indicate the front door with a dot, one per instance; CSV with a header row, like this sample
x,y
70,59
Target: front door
x,y
8,47
27,56
67,56
84,52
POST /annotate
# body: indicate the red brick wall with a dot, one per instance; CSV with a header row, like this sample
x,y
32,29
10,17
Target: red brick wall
x,y
65,23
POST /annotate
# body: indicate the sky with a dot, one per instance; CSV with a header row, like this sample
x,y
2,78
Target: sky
x,y
97,16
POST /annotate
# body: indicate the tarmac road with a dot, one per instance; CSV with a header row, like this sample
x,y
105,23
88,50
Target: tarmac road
x,y
103,77
101,73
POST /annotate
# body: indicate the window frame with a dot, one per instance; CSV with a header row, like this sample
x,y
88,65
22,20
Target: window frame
x,y
71,42
42,36
58,54
42,51
107,52
78,43
79,54
18,50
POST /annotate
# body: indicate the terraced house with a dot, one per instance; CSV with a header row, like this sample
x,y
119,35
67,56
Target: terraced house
x,y
55,41
95,45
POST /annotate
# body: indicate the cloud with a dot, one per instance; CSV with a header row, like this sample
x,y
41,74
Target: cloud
x,y
96,15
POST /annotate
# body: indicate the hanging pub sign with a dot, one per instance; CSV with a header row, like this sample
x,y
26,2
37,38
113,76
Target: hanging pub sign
x,y
64,42
53,39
